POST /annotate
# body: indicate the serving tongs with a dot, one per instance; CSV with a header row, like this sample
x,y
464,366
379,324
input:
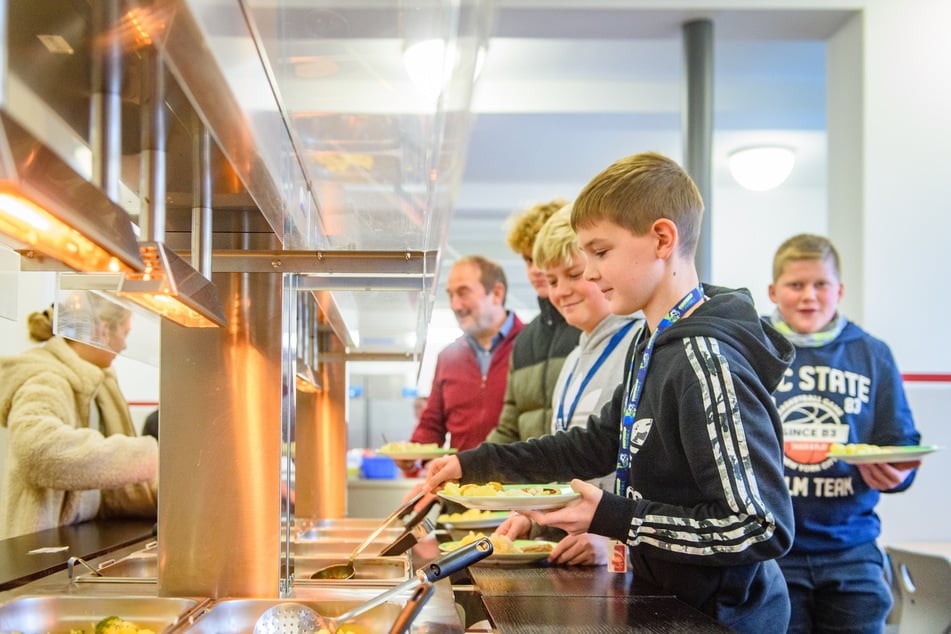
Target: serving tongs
x,y
293,617
402,543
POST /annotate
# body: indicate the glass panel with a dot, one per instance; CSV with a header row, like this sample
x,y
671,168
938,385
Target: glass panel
x,y
88,310
9,289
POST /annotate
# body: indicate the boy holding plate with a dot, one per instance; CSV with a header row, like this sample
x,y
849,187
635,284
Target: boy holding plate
x,y
843,387
691,431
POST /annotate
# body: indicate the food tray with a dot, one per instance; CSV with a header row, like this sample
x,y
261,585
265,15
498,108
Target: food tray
x,y
368,571
238,616
60,614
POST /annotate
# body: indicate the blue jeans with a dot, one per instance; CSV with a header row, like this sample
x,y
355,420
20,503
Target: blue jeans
x,y
841,591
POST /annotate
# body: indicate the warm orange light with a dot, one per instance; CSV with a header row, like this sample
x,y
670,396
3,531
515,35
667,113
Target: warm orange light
x,y
169,306
28,222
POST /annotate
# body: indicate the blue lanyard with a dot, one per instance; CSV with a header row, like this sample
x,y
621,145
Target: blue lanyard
x,y
562,420
634,393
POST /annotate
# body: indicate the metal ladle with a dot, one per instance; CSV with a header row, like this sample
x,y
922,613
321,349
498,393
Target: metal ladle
x,y
346,571
297,618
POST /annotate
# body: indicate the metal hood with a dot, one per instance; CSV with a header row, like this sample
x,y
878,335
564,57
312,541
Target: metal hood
x,y
171,287
45,205
47,202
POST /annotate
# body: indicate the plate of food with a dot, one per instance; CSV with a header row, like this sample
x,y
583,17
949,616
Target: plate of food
x,y
404,450
861,453
505,550
494,496
472,518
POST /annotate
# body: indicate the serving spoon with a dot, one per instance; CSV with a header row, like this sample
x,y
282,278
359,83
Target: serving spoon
x,y
346,570
297,618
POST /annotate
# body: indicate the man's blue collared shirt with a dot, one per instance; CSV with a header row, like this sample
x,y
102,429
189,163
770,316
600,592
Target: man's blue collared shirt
x,y
484,355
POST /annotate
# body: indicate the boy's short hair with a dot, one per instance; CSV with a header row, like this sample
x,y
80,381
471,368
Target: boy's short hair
x,y
524,225
637,190
805,246
557,242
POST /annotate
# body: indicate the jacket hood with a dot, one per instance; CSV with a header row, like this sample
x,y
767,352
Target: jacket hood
x,y
730,316
55,357
605,330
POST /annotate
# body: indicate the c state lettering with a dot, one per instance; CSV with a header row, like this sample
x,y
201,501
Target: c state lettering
x,y
823,379
821,487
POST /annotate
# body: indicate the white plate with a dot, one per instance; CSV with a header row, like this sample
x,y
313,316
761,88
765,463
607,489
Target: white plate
x,y
479,522
421,454
517,503
894,454
505,558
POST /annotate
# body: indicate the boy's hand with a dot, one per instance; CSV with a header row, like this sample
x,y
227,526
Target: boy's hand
x,y
576,517
442,470
515,527
884,476
586,549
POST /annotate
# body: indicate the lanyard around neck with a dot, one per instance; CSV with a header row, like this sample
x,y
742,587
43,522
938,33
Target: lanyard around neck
x,y
562,420
633,392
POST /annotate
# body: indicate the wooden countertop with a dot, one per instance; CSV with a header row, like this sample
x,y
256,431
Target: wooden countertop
x,y
87,540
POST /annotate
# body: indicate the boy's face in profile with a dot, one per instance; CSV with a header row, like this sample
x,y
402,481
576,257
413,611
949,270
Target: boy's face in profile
x,y
623,265
807,294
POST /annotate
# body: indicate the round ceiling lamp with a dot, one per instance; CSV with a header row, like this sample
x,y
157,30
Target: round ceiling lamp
x,y
763,167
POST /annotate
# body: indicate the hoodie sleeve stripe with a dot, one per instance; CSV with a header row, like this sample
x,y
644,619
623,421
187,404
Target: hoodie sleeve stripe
x,y
749,522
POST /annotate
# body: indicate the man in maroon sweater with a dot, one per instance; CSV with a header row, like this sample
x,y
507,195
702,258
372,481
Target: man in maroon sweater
x,y
469,382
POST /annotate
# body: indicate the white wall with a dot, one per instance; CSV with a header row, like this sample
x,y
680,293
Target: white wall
x,y
907,221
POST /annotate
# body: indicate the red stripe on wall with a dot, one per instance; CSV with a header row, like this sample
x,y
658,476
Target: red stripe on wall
x,y
926,378
143,403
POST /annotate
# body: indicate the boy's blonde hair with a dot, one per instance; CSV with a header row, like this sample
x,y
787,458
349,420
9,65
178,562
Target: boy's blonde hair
x,y
805,246
524,225
557,242
637,190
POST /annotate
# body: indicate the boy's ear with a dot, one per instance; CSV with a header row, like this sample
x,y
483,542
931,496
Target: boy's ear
x,y
664,231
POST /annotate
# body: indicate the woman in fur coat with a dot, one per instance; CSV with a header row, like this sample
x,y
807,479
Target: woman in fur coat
x,y
72,451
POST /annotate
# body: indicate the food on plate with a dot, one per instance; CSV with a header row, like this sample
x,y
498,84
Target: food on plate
x,y
467,516
853,449
116,625
495,489
502,545
404,446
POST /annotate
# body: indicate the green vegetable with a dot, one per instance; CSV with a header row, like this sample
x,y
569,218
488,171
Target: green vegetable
x,y
108,625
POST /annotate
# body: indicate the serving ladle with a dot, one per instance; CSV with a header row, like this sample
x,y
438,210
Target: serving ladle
x,y
346,570
297,618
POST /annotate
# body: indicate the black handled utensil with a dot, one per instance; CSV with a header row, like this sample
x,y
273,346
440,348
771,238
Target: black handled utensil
x,y
297,617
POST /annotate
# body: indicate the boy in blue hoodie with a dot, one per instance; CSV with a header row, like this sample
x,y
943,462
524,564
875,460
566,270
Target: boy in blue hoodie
x,y
843,387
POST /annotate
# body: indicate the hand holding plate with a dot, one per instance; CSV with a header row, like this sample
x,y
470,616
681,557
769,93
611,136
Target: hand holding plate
x,y
575,518
884,476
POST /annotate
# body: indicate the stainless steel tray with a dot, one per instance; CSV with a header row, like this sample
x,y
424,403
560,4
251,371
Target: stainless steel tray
x,y
352,533
237,616
137,567
369,571
60,614
339,548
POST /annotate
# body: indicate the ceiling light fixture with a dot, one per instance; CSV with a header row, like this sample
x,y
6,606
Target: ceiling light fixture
x,y
430,65
761,168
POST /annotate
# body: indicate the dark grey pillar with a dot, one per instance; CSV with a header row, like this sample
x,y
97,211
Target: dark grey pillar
x,y
698,126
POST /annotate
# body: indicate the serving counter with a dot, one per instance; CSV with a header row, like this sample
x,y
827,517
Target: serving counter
x,y
507,598
28,557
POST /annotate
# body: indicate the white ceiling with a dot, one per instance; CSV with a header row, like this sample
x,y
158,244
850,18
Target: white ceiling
x,y
567,88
